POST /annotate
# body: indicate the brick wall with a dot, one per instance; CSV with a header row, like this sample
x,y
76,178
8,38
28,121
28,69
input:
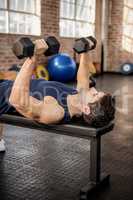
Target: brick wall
x,y
117,55
50,26
115,34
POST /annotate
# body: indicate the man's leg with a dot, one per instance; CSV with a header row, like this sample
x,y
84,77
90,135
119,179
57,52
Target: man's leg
x,y
2,143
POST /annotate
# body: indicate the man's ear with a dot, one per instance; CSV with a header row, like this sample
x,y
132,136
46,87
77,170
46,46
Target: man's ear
x,y
86,110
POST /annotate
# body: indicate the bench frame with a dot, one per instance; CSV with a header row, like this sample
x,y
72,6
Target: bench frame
x,y
97,179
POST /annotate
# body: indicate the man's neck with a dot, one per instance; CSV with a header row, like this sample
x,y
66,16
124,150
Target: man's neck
x,y
74,105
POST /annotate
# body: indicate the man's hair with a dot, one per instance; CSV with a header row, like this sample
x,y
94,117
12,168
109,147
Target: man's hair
x,y
101,112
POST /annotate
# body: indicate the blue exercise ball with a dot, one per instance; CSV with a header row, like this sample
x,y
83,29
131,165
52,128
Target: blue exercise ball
x,y
62,68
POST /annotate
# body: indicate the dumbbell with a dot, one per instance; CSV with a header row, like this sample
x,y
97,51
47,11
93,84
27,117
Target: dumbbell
x,y
24,47
85,44
92,82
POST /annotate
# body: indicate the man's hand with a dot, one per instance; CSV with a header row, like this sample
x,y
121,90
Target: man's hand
x,y
40,47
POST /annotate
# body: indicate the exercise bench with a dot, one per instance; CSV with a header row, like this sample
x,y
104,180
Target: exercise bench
x,y
97,180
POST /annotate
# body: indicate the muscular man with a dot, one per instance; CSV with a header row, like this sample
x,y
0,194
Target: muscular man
x,y
51,102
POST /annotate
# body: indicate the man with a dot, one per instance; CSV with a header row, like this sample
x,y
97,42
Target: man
x,y
51,102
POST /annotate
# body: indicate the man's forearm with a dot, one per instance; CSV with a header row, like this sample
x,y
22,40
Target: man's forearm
x,y
20,90
83,71
25,74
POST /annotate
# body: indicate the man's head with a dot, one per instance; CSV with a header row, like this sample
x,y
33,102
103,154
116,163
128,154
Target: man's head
x,y
98,108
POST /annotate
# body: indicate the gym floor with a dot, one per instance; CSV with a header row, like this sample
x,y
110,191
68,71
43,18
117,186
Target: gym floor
x,y
38,165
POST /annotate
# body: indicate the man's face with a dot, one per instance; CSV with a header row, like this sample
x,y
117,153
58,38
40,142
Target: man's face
x,y
91,96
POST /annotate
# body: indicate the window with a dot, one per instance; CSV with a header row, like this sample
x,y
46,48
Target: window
x,y
20,17
77,18
128,26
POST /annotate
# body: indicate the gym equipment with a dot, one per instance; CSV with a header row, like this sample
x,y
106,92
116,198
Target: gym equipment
x,y
92,82
8,75
85,44
33,76
97,179
127,68
16,68
41,72
24,47
62,68
53,46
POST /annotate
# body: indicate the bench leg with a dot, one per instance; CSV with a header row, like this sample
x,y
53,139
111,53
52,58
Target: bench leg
x,y
97,180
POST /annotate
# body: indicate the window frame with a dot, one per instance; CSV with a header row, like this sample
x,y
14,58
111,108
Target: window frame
x,y
127,36
8,10
75,3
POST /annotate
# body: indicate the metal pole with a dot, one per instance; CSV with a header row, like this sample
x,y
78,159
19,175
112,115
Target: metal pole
x,y
95,159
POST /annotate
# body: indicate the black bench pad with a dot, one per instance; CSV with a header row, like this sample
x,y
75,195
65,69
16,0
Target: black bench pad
x,y
71,129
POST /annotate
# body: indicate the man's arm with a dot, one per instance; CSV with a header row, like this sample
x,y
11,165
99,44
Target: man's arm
x,y
85,67
27,105
20,97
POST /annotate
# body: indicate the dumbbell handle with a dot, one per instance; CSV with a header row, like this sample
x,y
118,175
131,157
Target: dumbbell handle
x,y
40,46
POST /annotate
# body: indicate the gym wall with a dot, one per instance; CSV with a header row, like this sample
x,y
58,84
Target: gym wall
x,y
116,52
50,26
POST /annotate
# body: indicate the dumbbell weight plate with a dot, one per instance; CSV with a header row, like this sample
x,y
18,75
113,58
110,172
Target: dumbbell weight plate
x,y
53,45
23,47
127,68
85,44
